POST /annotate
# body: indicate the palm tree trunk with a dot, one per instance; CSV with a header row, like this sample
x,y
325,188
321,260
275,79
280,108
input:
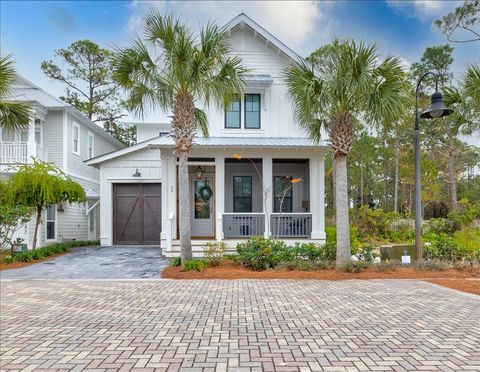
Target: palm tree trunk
x,y
334,176
183,132
184,207
37,223
341,211
452,181
395,188
361,186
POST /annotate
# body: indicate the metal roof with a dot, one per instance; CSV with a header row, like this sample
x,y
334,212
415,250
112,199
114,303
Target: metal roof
x,y
167,141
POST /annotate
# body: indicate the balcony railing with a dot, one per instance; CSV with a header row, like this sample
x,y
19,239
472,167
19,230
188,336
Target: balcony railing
x,y
291,225
21,152
243,225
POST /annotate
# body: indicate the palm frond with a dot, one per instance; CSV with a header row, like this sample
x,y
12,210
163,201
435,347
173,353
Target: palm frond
x,y
14,115
201,120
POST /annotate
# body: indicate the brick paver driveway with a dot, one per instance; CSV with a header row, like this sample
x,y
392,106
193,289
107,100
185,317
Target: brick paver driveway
x,y
121,262
237,325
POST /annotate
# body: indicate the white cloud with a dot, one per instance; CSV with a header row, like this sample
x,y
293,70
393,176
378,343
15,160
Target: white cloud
x,y
424,10
293,22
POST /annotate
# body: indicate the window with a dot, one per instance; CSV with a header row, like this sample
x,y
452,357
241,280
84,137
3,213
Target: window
x,y
282,186
252,111
38,136
24,136
90,145
50,222
201,207
91,221
232,113
242,194
76,139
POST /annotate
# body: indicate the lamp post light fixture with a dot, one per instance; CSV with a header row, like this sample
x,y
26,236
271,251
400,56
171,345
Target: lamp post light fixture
x,y
199,171
437,109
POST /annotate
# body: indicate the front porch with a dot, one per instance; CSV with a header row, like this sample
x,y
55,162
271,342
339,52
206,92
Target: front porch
x,y
279,195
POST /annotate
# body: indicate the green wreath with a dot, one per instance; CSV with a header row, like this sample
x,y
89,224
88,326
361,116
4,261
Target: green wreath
x,y
205,193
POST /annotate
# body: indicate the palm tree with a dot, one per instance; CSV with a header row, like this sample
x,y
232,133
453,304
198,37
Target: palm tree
x,y
350,84
173,70
13,115
471,86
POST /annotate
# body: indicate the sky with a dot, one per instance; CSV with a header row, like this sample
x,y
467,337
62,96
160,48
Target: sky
x,y
31,31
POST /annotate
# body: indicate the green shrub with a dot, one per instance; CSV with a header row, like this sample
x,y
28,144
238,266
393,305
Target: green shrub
x,y
175,262
366,253
49,250
355,266
303,265
7,259
385,266
260,254
439,226
331,237
195,264
462,247
231,257
214,252
429,265
314,252
465,213
373,223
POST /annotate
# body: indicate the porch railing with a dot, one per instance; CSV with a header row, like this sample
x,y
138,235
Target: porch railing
x,y
13,152
291,225
243,225
21,152
42,153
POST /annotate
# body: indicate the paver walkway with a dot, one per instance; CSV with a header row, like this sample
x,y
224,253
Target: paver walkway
x,y
242,325
119,262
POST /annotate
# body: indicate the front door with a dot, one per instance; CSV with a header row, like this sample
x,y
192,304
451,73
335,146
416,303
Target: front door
x,y
202,217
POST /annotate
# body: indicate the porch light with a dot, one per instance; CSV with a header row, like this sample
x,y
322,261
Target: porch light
x,y
137,173
199,171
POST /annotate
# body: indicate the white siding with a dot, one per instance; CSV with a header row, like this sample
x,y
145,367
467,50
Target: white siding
x,y
75,163
53,137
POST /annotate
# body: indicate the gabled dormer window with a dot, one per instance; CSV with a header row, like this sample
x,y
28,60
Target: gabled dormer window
x,y
233,112
252,111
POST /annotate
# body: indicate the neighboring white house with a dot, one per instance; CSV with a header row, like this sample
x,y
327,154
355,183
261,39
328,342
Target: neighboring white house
x,y
59,134
138,185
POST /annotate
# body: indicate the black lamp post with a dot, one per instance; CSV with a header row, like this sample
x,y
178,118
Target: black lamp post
x,y
436,110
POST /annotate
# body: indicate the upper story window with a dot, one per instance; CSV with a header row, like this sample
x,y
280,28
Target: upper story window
x,y
252,111
90,150
76,139
233,113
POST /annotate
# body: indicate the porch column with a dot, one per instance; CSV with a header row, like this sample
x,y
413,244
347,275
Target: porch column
x,y
267,175
169,200
219,196
31,144
317,196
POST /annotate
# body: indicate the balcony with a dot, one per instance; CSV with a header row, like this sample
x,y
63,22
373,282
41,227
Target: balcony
x,y
21,152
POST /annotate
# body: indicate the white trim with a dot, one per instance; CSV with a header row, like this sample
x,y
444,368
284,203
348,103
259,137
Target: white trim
x,y
77,126
243,19
90,136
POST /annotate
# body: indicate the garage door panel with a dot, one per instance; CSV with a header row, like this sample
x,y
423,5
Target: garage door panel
x,y
137,213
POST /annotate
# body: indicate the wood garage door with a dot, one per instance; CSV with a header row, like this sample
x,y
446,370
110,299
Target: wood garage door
x,y
137,213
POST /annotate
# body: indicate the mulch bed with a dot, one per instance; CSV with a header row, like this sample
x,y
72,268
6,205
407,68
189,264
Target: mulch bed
x,y
18,265
457,279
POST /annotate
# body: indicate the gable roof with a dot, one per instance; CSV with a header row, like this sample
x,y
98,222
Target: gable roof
x,y
242,19
26,91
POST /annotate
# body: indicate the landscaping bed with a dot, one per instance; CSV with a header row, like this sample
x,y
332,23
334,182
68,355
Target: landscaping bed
x,y
227,269
8,261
